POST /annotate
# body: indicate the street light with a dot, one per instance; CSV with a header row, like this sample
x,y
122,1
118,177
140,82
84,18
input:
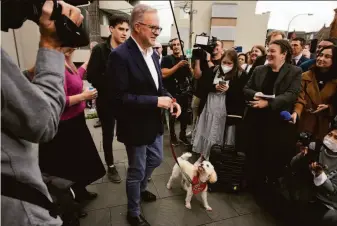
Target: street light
x,y
301,14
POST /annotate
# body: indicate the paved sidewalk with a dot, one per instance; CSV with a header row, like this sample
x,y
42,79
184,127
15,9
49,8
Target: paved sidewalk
x,y
169,209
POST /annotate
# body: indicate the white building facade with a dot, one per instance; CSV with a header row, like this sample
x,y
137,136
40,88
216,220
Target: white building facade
x,y
233,22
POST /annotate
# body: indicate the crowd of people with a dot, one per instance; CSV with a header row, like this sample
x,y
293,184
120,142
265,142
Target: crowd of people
x,y
229,98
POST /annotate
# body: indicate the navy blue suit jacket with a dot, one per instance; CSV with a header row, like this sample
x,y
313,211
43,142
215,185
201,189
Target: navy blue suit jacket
x,y
134,95
302,60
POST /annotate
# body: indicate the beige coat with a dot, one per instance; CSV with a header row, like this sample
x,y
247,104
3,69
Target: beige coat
x,y
309,98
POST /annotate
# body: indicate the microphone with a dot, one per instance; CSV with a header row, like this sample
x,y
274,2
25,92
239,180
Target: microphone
x,y
285,115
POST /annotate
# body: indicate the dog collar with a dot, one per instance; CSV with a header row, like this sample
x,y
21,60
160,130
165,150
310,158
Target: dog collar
x,y
197,185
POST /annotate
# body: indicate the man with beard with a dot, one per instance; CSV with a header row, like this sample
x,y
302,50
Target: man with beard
x,y
119,27
177,80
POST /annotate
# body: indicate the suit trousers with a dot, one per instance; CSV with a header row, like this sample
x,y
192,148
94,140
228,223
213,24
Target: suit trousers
x,y
142,161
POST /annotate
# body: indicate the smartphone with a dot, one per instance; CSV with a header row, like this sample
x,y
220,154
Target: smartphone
x,y
224,82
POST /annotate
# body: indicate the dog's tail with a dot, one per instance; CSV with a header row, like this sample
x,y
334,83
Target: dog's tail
x,y
186,156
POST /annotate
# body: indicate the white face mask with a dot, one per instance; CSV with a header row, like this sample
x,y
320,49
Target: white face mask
x,y
226,69
330,143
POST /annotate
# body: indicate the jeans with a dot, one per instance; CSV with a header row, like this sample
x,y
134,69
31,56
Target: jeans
x,y
142,161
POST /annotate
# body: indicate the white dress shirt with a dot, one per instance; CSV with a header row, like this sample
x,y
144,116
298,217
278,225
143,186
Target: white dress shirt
x,y
149,62
297,58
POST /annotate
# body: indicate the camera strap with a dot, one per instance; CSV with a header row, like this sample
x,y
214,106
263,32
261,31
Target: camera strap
x,y
15,189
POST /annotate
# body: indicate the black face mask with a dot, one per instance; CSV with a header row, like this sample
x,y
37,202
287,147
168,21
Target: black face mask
x,y
15,12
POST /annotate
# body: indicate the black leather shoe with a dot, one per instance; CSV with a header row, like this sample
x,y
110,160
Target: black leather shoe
x,y
148,196
137,221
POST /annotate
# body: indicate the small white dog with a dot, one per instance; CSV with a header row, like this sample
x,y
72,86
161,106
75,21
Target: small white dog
x,y
200,173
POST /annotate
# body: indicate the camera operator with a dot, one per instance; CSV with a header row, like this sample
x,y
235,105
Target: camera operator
x,y
177,77
204,61
321,161
30,114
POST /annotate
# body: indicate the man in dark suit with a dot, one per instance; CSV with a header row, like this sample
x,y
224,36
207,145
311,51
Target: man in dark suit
x,y
297,46
138,96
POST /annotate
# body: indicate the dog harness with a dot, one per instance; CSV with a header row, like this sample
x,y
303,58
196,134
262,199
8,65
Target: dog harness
x,y
197,185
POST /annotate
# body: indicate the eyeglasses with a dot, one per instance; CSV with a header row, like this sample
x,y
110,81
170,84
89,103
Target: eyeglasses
x,y
153,28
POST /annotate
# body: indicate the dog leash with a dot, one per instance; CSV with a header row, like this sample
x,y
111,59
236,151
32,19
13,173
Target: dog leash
x,y
167,117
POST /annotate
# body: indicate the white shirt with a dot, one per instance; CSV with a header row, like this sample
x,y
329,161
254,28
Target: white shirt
x,y
149,62
243,66
266,62
297,58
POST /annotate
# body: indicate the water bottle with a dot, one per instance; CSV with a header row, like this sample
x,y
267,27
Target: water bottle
x,y
93,101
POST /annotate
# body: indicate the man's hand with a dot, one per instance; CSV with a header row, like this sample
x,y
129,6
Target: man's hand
x,y
208,56
258,103
316,168
182,63
321,107
49,37
164,102
176,106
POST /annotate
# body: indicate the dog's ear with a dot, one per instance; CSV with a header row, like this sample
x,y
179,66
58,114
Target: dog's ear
x,y
213,177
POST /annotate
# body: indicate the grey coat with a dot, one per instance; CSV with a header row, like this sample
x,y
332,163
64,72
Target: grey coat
x,y
30,114
286,89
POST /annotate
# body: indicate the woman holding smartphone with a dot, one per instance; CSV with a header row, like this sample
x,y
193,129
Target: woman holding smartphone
x,y
315,107
225,97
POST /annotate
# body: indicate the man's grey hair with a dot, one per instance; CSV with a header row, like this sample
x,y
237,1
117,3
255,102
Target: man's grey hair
x,y
138,12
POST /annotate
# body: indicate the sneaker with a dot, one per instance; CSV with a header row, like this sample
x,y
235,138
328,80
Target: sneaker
x,y
184,140
113,174
189,134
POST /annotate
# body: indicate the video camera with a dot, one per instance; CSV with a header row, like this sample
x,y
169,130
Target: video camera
x,y
15,12
203,43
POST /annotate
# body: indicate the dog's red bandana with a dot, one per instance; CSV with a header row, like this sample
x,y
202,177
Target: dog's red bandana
x,y
197,185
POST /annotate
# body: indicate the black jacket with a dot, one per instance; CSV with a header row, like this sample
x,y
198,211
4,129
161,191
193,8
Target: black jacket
x,y
134,95
286,88
97,66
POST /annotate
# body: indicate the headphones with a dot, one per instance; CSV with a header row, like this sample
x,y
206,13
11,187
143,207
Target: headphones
x,y
173,39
